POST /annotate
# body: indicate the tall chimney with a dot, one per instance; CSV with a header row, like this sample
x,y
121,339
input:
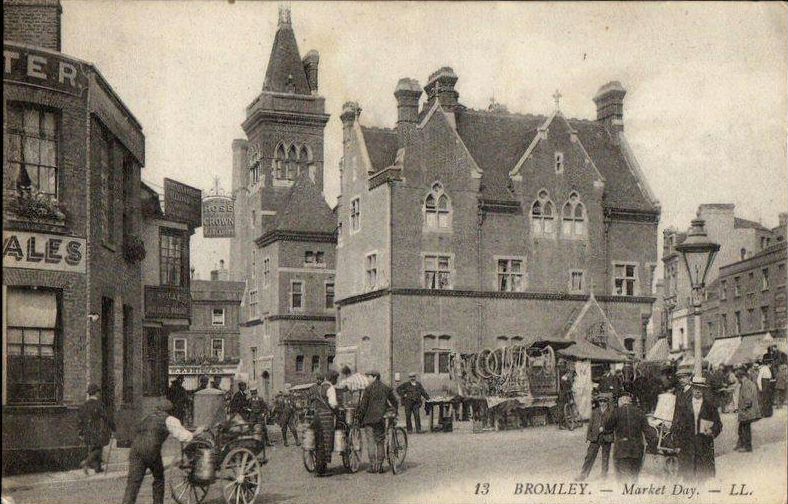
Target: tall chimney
x,y
440,86
407,94
240,171
610,105
350,113
33,22
311,61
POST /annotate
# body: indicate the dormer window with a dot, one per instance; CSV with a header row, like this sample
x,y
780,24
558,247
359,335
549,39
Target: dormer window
x,y
437,209
542,215
559,162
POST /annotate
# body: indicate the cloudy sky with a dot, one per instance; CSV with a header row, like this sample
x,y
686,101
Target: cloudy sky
x,y
705,110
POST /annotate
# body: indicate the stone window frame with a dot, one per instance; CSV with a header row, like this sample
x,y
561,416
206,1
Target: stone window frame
x,y
56,138
437,194
315,364
355,214
176,350
368,286
220,356
289,161
293,293
254,312
442,348
570,285
764,317
540,218
332,283
572,219
449,269
220,322
765,283
522,274
636,278
299,363
737,321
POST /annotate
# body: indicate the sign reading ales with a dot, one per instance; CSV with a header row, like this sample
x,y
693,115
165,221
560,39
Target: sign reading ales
x,y
167,302
43,252
182,203
218,217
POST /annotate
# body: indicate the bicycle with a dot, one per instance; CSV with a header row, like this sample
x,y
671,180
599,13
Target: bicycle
x,y
395,443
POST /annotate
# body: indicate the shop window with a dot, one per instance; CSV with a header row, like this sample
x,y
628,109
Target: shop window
x,y
510,274
33,348
217,348
436,354
437,272
32,147
171,262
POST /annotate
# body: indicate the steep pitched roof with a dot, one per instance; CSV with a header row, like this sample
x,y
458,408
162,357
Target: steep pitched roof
x,y
740,223
382,145
285,72
304,210
496,141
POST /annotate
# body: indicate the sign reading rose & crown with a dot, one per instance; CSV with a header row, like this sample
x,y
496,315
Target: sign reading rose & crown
x,y
218,217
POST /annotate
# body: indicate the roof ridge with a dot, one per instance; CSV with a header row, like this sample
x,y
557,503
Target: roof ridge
x,y
379,128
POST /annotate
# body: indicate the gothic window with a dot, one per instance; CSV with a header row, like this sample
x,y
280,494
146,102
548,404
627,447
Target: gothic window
x,y
437,208
304,160
279,162
542,215
291,164
573,218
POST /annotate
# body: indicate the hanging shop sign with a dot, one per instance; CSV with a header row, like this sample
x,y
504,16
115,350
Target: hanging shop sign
x,y
182,203
42,251
218,217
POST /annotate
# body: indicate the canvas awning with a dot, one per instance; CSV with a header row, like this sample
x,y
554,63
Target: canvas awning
x,y
584,350
722,350
31,308
660,351
751,349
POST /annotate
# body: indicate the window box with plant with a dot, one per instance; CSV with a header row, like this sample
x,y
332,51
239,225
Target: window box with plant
x,y
134,249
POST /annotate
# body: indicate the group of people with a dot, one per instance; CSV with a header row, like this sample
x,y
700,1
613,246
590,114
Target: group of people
x,y
620,427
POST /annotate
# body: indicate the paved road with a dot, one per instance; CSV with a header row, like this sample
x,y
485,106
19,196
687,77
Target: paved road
x,y
447,467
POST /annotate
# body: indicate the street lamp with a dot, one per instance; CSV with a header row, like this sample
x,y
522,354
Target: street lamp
x,y
698,253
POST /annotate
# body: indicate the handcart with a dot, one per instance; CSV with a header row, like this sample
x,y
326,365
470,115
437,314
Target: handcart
x,y
661,421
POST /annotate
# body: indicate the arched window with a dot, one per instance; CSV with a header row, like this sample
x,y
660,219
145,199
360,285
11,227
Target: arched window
x,y
291,165
542,215
573,219
279,162
437,208
303,160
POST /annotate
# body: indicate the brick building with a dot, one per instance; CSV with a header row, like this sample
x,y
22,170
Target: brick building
x,y
463,229
285,232
738,238
72,297
210,346
747,304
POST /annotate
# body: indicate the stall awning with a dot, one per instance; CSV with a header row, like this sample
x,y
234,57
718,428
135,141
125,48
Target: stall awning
x,y
660,351
31,308
722,350
751,349
584,350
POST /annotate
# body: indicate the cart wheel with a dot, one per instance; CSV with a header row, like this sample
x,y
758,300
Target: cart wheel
x,y
351,457
241,476
671,466
309,460
183,489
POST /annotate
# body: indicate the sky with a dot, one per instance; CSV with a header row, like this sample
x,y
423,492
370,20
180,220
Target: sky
x,y
705,110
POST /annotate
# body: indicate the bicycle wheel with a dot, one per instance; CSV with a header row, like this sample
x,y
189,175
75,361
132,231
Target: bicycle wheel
x,y
397,449
351,458
309,460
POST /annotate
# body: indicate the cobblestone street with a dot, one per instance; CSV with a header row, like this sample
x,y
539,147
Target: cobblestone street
x,y
447,468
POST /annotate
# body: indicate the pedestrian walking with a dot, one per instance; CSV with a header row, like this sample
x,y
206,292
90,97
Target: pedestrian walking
x,y
284,412
376,400
150,434
564,394
597,438
95,429
324,404
764,384
749,410
411,392
696,422
628,425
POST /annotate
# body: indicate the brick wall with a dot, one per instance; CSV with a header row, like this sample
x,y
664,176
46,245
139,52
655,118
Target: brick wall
x,y
33,22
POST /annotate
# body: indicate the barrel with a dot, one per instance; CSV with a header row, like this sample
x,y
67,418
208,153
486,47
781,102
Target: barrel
x,y
308,441
204,465
339,441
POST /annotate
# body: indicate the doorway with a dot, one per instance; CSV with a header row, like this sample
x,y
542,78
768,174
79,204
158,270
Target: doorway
x,y
107,354
266,385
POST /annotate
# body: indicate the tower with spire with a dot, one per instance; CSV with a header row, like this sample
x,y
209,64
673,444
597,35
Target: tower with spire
x,y
284,253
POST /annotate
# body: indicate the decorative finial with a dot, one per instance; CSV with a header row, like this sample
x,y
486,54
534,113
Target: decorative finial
x,y
557,99
284,15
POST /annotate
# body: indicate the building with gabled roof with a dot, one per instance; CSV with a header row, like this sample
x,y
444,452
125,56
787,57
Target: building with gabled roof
x,y
462,228
283,249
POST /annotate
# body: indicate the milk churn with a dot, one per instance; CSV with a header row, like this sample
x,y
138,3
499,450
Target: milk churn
x,y
204,465
339,440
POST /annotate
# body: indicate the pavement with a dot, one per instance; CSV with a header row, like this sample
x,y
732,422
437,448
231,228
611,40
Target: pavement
x,y
460,467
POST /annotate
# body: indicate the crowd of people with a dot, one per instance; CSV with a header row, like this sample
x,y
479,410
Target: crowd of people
x,y
619,424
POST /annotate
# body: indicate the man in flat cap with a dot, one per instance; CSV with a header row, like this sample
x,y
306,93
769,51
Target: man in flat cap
x,y
95,428
150,434
411,393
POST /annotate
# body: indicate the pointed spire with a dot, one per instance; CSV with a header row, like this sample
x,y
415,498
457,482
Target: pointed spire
x,y
284,16
285,72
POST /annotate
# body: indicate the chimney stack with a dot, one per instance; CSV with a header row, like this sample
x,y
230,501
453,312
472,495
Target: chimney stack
x,y
311,61
610,105
407,94
350,113
33,22
440,86
240,171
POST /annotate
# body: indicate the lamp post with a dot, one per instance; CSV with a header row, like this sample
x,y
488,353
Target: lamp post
x,y
698,253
